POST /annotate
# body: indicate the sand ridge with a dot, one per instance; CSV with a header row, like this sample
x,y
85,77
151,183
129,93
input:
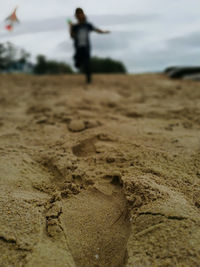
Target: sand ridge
x,y
104,175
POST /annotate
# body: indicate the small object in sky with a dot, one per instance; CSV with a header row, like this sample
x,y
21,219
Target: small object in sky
x,y
11,20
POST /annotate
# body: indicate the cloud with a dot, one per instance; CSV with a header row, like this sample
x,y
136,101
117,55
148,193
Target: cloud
x,y
190,41
116,41
28,27
180,51
123,19
59,23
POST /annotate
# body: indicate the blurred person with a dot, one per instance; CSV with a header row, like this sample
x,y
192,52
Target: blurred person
x,y
80,32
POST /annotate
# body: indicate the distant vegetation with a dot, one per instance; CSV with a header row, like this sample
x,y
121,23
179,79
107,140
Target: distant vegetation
x,y
44,66
14,59
107,65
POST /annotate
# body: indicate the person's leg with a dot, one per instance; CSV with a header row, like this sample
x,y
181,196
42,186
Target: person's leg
x,y
82,62
88,71
77,59
87,67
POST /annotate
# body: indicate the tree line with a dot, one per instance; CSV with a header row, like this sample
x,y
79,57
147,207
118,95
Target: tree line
x,y
14,59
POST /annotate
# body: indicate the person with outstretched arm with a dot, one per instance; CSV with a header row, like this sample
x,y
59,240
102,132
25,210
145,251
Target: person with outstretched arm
x,y
80,32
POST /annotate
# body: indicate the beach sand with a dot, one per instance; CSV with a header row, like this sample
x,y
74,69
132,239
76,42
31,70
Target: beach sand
x,y
100,175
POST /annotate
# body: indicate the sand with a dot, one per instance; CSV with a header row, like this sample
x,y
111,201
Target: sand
x,y
99,175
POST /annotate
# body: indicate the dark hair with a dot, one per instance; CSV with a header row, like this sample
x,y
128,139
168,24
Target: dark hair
x,y
79,10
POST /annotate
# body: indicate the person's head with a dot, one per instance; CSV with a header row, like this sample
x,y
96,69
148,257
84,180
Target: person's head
x,y
80,15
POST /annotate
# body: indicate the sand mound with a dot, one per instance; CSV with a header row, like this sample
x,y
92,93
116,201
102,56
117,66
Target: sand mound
x,y
105,175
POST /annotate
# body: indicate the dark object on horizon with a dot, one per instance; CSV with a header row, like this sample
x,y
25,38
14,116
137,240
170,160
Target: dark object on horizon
x,y
182,72
44,66
107,65
20,67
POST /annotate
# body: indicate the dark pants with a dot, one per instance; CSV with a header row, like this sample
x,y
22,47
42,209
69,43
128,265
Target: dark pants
x,y
82,61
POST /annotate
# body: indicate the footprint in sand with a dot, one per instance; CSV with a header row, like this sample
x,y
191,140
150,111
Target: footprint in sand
x,y
88,146
97,226
85,148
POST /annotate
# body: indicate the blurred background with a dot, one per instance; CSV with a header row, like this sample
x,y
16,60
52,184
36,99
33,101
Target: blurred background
x,y
147,36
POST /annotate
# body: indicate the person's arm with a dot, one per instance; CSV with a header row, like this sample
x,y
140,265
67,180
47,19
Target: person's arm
x,y
101,31
71,32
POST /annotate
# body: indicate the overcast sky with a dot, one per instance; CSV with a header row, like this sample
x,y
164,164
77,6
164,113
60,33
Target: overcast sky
x,y
147,35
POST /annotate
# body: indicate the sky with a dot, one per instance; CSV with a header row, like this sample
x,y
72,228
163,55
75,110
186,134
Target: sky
x,y
146,35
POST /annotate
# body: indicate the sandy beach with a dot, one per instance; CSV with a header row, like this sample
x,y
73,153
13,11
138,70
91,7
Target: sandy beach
x,y
101,175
